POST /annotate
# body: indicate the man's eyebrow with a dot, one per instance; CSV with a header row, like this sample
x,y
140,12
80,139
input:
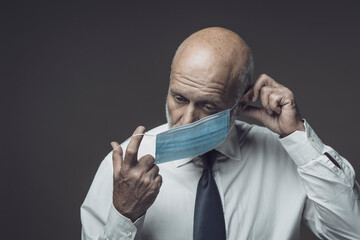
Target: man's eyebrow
x,y
218,104
174,92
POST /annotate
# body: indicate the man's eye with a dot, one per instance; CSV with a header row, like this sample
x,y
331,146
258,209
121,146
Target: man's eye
x,y
179,99
209,108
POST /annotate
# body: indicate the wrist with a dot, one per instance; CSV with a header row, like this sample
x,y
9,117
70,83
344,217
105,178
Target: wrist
x,y
124,211
300,126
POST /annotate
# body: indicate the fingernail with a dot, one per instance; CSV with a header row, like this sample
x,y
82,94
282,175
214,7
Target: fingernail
x,y
113,145
140,129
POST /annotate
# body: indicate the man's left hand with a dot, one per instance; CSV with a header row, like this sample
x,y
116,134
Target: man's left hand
x,y
279,112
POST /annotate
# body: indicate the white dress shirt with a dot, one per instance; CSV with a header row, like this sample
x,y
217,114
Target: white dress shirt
x,y
268,187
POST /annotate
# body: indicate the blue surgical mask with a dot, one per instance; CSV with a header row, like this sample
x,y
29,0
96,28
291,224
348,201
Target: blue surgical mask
x,y
193,139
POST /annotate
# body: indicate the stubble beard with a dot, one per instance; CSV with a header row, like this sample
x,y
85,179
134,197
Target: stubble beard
x,y
168,117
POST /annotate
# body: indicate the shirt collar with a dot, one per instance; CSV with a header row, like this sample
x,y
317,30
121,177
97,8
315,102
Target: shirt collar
x,y
229,147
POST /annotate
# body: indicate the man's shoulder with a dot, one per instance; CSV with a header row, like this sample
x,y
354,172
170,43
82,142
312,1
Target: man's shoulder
x,y
252,135
254,139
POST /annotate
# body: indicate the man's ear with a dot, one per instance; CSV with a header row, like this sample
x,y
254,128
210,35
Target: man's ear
x,y
244,101
241,106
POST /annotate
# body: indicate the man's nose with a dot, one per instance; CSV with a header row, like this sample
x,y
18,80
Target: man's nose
x,y
190,115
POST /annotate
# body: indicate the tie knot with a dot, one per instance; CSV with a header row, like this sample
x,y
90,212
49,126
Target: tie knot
x,y
209,159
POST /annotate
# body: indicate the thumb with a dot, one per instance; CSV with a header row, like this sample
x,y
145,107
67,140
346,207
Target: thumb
x,y
261,115
253,112
258,114
117,157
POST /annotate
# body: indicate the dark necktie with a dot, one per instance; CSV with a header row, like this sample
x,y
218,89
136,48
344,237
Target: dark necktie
x,y
209,220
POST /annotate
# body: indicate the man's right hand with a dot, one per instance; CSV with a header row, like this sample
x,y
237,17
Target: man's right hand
x,y
136,182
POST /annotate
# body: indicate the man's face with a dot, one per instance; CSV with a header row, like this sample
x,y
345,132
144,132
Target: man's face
x,y
198,88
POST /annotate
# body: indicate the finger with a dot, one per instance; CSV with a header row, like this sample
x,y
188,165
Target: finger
x,y
260,114
263,80
158,180
133,147
274,100
117,157
287,98
266,91
248,95
147,162
253,112
153,172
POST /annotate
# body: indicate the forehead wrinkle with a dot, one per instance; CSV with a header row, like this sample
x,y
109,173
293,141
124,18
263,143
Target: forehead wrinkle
x,y
212,87
192,83
190,78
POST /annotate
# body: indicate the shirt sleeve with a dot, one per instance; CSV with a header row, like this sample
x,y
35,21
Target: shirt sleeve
x,y
99,218
329,182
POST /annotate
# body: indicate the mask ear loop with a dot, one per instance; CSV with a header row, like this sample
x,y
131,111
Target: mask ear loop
x,y
144,134
137,134
245,99
232,108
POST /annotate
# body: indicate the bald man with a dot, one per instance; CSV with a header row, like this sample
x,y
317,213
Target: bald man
x,y
270,179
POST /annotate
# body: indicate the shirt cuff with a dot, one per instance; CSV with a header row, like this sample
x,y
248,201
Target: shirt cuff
x,y
118,226
303,147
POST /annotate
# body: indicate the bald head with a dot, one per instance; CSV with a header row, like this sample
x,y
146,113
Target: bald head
x,y
209,73
220,49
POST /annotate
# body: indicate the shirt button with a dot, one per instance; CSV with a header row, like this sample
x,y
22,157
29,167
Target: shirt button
x,y
336,169
129,234
311,139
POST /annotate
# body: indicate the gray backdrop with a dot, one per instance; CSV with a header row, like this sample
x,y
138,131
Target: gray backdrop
x,y
76,76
